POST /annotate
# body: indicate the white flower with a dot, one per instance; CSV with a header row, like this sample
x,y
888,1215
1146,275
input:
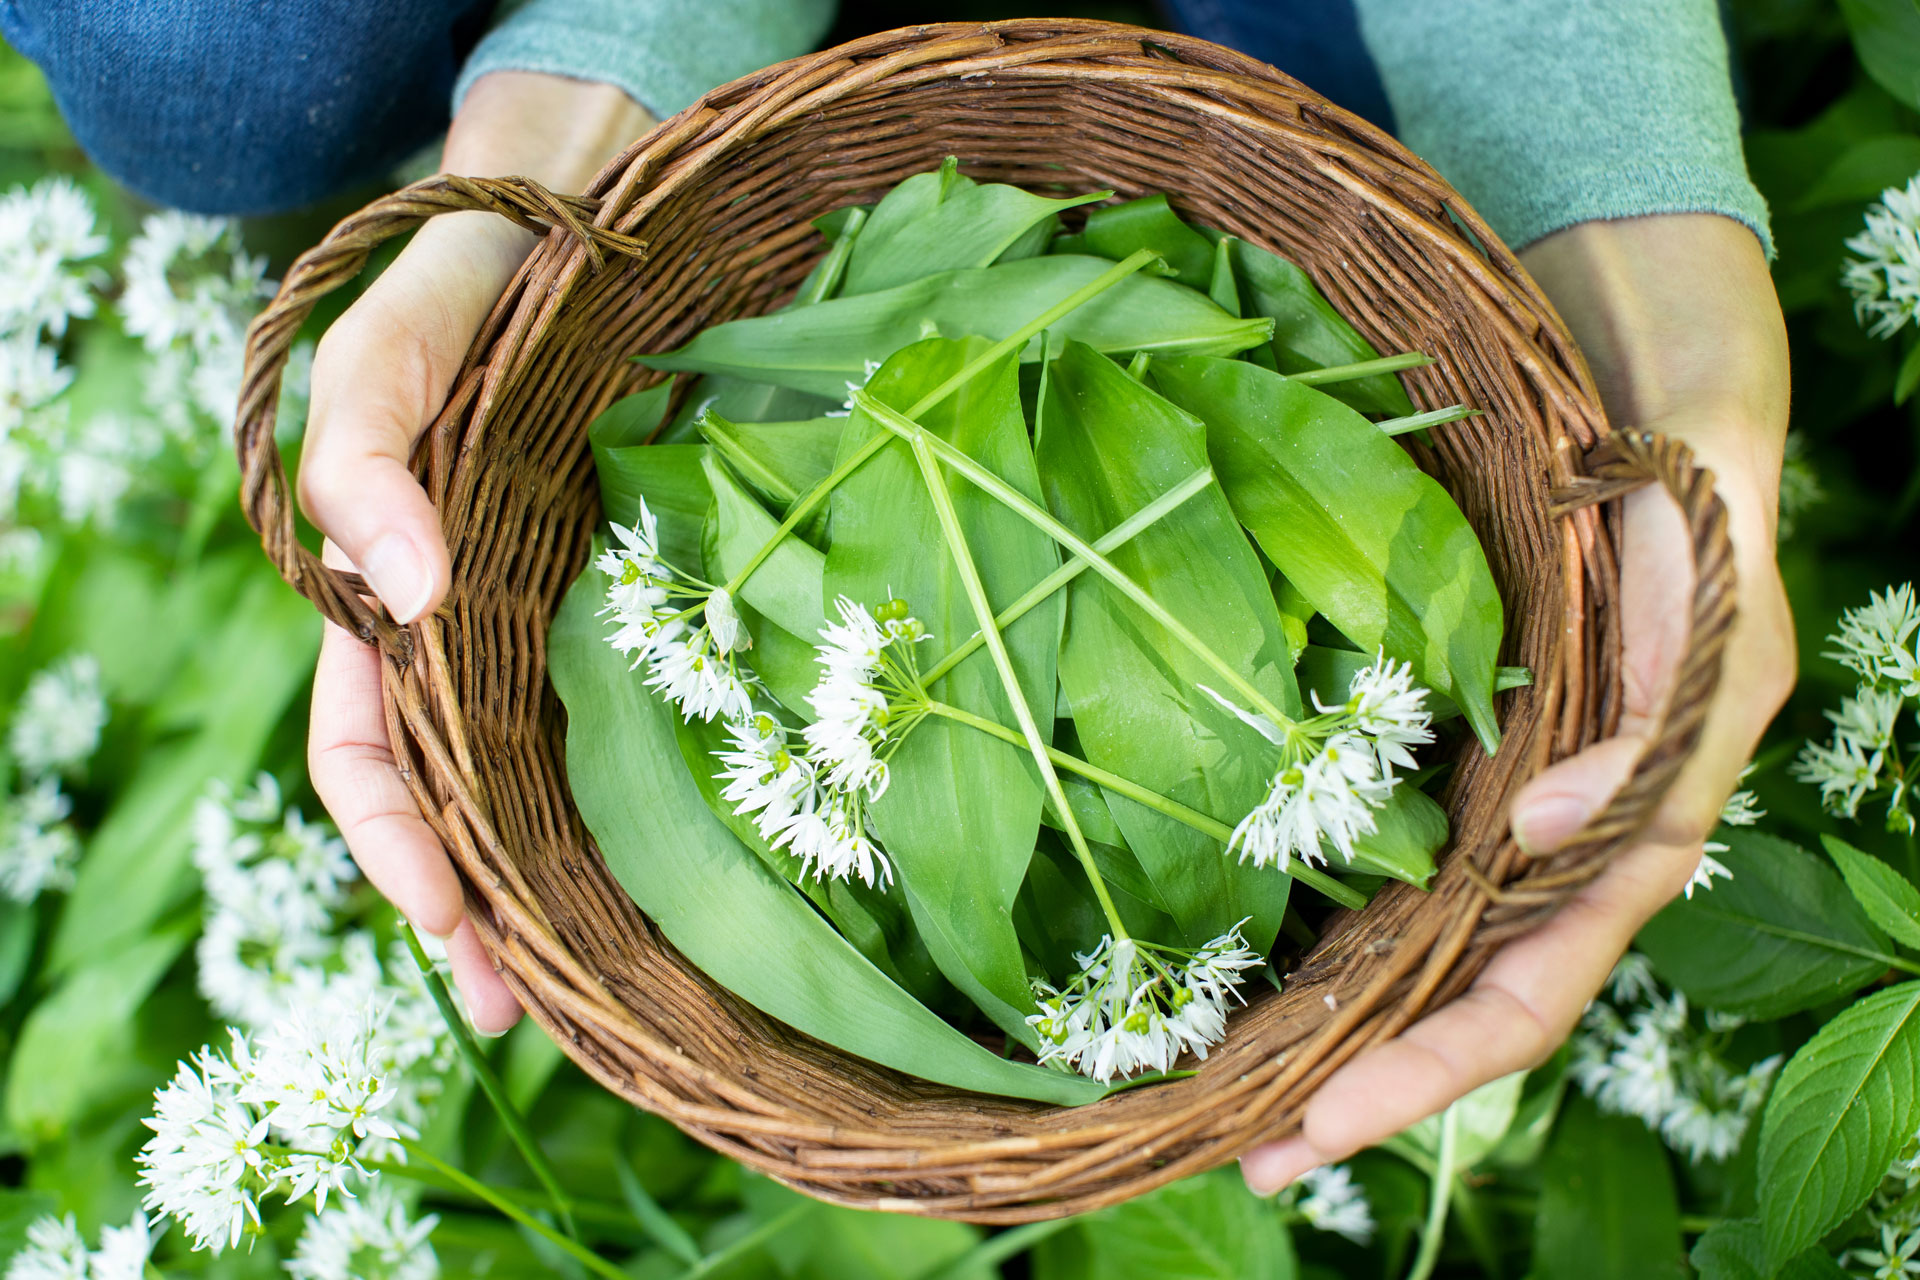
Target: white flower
x,y
1632,979
1136,1006
1330,797
1335,1202
1884,276
852,702
201,1167
55,1250
763,780
1389,712
124,1251
369,1238
1844,773
1877,639
38,849
1709,868
1742,809
1868,717
46,232
693,669
701,683
57,724
723,620
187,279
31,377
830,837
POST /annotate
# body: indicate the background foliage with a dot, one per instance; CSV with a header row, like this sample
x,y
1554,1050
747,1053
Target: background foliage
x,y
1742,1103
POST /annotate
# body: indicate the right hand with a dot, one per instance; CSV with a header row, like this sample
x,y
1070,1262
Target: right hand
x,y
380,376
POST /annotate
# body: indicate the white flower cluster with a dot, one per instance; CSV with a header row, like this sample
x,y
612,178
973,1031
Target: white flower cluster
x,y
56,729
807,797
47,243
370,1237
190,291
1877,641
1884,274
1330,1200
1637,1053
1136,1006
291,1114
1742,809
273,941
55,1250
1337,768
1893,1221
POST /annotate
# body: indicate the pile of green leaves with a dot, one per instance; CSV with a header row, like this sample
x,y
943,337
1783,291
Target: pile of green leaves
x,y
1049,431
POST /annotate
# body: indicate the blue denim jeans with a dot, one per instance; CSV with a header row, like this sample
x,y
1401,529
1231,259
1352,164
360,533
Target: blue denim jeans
x,y
1317,42
247,106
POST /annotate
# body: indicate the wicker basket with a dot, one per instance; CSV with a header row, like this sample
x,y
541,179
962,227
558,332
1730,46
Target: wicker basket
x,y
706,219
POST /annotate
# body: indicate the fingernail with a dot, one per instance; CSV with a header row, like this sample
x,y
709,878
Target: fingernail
x,y
398,574
1271,1169
1549,822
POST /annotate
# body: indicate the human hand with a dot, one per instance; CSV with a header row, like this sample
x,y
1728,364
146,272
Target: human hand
x,y
380,375
1679,322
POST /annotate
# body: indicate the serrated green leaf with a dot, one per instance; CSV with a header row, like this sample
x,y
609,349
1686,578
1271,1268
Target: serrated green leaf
x,y
1107,447
1737,1251
1844,1106
1888,898
944,221
1608,1208
1300,468
822,348
746,928
1886,36
960,861
1782,935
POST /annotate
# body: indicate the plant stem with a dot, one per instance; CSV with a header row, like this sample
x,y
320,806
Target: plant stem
x,y
594,1211
1009,679
1431,418
474,1187
1115,537
748,1242
1209,826
903,426
490,1084
1360,369
826,279
1436,1225
802,508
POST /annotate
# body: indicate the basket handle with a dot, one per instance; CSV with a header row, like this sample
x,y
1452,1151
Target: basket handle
x,y
265,492
1620,463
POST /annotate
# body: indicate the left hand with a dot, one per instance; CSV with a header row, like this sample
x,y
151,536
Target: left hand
x,y
1678,319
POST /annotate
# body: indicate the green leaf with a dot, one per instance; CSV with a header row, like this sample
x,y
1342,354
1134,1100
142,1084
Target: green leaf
x,y
1208,1227
826,1242
1889,900
822,348
780,459
1608,1208
1737,1251
887,543
1148,223
670,478
1908,376
944,221
1107,447
19,925
744,927
1481,1120
1308,333
1862,171
744,400
1374,542
1843,1108
20,1209
781,602
1781,936
1886,36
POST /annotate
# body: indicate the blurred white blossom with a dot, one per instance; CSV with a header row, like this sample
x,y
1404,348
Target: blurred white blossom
x,y
38,847
57,723
1862,760
47,239
55,1250
1884,273
1332,1201
370,1237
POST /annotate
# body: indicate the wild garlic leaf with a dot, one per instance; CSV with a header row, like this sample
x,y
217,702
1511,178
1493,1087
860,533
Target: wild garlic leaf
x,y
725,910
962,809
1781,936
1374,542
782,602
742,400
1109,446
1888,898
1116,230
944,221
780,460
1843,1108
823,348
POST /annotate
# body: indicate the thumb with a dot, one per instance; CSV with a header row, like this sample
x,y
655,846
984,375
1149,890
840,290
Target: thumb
x,y
380,375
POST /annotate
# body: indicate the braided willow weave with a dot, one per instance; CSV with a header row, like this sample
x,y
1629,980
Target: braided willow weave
x,y
705,219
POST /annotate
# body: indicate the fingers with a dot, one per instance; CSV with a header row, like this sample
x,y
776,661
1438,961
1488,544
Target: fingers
x,y
353,772
491,1005
1523,1005
380,376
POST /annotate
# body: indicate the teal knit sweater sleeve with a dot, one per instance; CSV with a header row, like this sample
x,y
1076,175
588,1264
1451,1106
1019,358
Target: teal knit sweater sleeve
x,y
663,53
1544,113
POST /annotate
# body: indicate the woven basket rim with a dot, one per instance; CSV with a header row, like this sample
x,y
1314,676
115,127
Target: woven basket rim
x,y
1002,1168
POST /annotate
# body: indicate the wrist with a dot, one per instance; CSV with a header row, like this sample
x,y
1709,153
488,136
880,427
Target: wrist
x,y
557,131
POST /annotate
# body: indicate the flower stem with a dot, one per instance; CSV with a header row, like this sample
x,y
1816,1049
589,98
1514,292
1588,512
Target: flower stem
x,y
1360,369
1208,826
1431,418
474,1187
1115,537
1436,1225
813,497
490,1083
903,426
1009,679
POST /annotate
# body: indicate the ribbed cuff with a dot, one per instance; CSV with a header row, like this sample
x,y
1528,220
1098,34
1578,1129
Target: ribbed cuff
x,y
1526,212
